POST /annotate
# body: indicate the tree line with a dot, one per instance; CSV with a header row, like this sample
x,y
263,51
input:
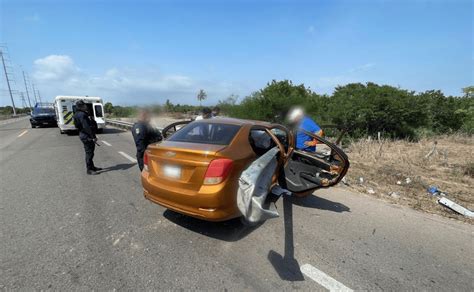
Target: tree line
x,y
361,109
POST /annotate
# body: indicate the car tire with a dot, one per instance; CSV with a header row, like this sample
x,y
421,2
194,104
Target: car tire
x,y
100,131
33,126
61,131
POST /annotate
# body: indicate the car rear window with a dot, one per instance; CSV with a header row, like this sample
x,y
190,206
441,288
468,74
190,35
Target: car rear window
x,y
43,110
206,133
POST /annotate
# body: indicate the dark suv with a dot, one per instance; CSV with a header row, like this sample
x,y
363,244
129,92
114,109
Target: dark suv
x,y
43,116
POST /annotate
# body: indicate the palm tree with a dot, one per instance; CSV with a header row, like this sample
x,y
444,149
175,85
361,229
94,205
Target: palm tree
x,y
202,95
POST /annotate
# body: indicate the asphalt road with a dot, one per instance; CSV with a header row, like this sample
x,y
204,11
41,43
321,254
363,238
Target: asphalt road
x,y
61,229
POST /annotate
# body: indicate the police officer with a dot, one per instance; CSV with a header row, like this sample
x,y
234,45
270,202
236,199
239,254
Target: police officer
x,y
87,129
144,134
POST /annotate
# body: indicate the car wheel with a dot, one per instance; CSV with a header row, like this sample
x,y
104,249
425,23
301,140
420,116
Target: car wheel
x,y
100,131
61,131
33,126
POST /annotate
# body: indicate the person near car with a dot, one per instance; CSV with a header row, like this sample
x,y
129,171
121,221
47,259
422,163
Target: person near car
x,y
87,133
144,134
216,111
302,122
206,114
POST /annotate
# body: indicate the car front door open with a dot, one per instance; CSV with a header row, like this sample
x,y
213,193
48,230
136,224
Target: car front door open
x,y
172,128
306,171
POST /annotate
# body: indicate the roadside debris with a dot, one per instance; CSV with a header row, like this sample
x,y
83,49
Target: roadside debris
x,y
361,180
434,191
344,181
456,207
371,191
395,195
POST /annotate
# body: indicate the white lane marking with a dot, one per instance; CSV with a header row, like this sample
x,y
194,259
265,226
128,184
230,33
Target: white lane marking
x,y
323,279
106,143
23,133
128,156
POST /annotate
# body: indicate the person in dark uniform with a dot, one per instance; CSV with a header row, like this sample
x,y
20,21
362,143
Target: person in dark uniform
x,y
87,129
144,134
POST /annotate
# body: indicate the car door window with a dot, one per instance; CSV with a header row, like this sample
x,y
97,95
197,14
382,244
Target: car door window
x,y
172,128
98,111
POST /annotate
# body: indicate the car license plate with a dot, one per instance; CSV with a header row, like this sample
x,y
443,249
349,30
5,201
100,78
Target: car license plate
x,y
172,171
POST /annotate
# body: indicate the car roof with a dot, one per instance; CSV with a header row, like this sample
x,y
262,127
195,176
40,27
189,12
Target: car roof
x,y
233,121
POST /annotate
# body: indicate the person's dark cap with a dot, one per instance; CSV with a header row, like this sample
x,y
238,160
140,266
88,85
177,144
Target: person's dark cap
x,y
80,103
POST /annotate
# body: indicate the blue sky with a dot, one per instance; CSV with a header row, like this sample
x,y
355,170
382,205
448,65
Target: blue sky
x,y
140,52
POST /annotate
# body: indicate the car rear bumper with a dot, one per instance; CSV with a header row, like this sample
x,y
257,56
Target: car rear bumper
x,y
43,122
203,204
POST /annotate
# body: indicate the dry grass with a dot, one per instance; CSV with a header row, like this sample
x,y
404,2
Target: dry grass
x,y
408,169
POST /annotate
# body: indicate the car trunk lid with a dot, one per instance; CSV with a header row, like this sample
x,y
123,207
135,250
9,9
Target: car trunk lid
x,y
180,164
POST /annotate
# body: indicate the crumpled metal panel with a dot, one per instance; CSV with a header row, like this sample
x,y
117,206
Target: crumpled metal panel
x,y
254,187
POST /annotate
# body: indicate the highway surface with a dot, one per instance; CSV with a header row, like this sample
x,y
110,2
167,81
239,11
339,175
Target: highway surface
x,y
62,229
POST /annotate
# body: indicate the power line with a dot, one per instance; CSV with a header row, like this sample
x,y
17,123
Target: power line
x,y
8,81
26,87
34,92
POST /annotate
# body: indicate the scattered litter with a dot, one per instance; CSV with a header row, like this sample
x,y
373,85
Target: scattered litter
x,y
408,180
395,195
371,191
399,182
434,191
456,207
344,181
361,180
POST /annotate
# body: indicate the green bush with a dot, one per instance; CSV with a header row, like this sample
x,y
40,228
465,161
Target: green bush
x,y
362,109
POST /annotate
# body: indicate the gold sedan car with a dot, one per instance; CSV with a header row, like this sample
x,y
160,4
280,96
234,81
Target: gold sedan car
x,y
195,171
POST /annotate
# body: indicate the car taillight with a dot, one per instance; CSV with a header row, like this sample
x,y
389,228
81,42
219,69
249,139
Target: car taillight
x,y
217,171
145,161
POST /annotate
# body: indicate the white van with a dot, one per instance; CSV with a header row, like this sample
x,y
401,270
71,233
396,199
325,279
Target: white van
x,y
65,107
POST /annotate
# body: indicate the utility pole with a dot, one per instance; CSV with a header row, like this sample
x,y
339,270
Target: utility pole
x,y
39,95
8,82
26,87
23,101
34,92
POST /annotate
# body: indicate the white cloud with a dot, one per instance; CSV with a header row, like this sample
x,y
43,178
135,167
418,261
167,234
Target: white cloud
x,y
55,68
59,75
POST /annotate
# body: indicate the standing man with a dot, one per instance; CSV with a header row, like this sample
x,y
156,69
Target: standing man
x,y
298,119
87,129
216,111
206,114
144,134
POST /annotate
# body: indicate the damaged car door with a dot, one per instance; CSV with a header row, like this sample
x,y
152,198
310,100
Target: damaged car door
x,y
305,172
259,179
285,170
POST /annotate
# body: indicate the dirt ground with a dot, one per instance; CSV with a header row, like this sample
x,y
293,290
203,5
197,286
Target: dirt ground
x,y
401,172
